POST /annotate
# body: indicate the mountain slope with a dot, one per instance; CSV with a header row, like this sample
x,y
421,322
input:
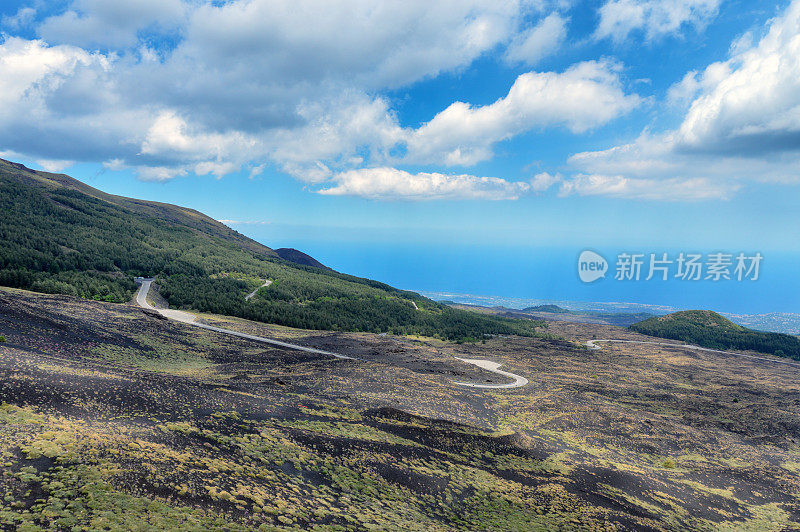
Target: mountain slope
x,y
59,235
50,183
708,329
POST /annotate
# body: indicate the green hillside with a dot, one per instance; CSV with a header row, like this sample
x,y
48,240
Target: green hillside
x,y
59,235
708,329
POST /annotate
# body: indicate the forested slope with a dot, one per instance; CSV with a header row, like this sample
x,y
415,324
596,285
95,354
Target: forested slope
x,y
709,329
59,235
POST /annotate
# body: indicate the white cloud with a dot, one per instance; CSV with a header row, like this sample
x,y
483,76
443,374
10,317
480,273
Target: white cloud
x,y
750,103
60,103
742,125
160,173
26,65
53,165
170,135
585,96
23,19
244,83
684,91
660,157
543,181
532,45
109,107
742,43
243,222
303,95
218,169
674,189
376,44
90,23
655,18
335,133
391,183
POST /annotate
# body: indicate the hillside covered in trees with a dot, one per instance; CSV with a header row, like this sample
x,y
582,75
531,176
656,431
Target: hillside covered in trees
x,y
709,329
61,236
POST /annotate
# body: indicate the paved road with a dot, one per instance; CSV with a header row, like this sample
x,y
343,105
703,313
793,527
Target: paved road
x,y
488,365
592,345
190,319
249,296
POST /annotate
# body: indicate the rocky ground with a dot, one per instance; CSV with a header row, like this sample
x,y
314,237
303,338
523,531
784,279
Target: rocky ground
x,y
111,416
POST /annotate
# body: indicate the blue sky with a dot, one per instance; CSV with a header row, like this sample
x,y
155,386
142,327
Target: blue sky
x,y
530,123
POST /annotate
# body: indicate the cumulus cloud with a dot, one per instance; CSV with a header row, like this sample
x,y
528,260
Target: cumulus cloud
x,y
90,23
742,124
58,102
750,103
53,165
375,44
304,95
335,133
25,64
544,180
585,96
170,136
301,93
391,183
654,18
532,45
55,103
297,85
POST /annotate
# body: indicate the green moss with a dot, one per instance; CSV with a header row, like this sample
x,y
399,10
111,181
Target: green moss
x,y
15,415
763,518
162,359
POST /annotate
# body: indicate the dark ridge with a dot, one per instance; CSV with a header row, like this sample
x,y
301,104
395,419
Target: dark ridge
x,y
298,257
17,165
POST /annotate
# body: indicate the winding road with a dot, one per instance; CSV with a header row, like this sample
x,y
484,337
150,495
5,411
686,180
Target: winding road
x,y
592,345
191,319
249,296
488,365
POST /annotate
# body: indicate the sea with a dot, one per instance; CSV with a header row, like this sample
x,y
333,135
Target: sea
x,y
518,277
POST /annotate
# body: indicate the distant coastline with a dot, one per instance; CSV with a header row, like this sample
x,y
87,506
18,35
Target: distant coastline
x,y
785,322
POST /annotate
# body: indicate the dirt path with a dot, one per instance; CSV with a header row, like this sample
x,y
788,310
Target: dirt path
x,y
592,345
